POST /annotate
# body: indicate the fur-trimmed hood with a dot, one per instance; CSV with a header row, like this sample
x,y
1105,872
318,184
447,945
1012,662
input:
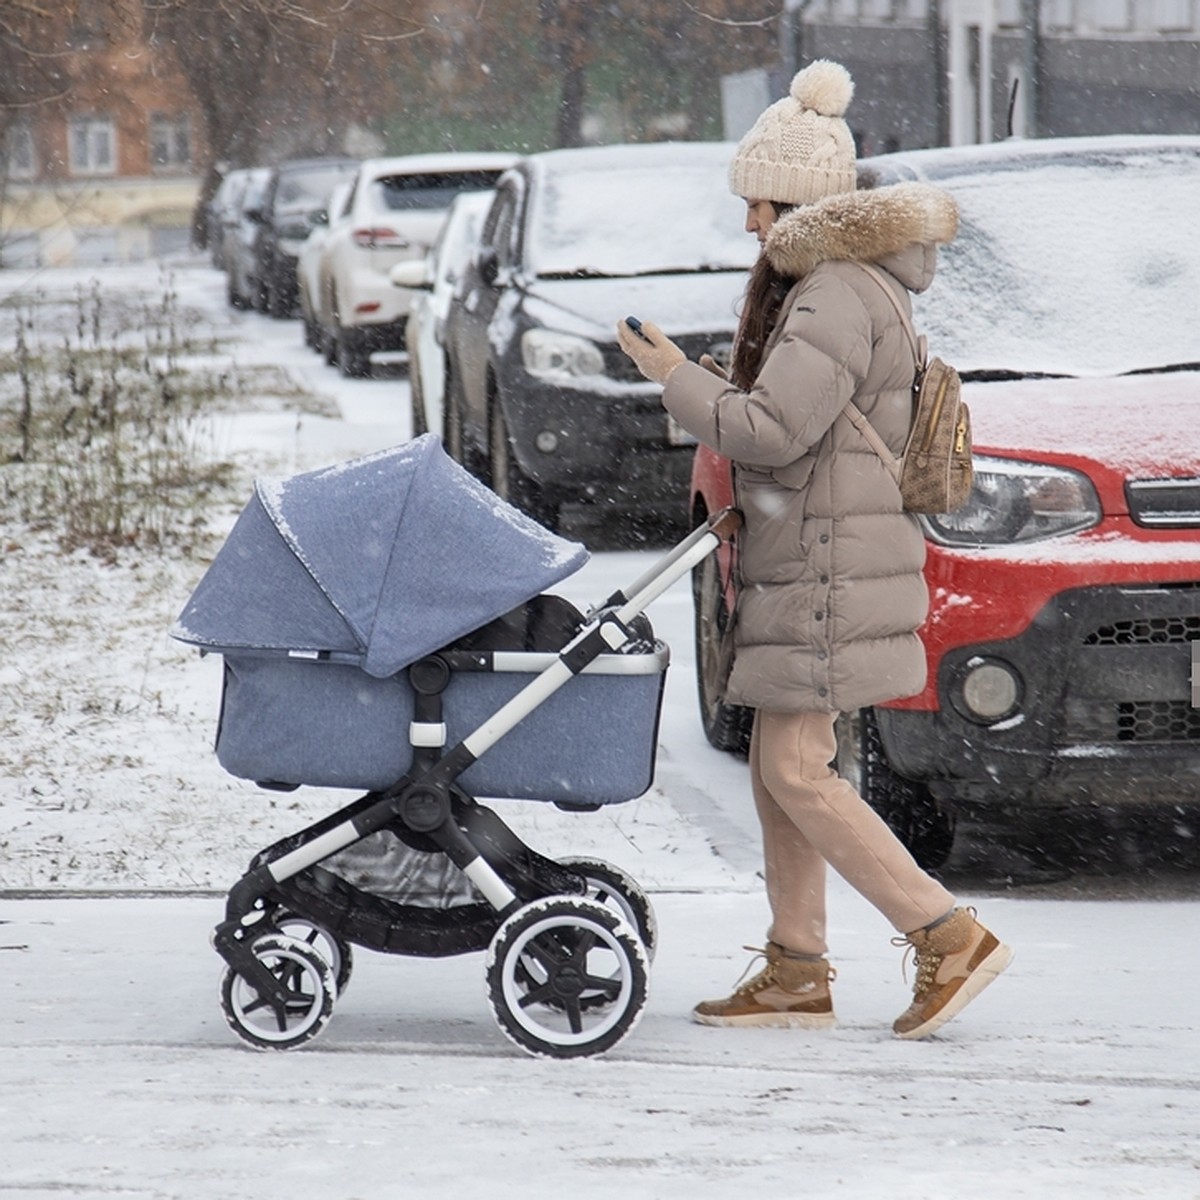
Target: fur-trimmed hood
x,y
899,226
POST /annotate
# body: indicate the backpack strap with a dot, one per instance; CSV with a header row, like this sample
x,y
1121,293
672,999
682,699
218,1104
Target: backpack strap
x,y
856,415
917,344
860,422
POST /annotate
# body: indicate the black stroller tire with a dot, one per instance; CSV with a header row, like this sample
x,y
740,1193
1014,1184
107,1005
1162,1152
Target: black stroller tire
x,y
616,889
333,949
581,948
312,995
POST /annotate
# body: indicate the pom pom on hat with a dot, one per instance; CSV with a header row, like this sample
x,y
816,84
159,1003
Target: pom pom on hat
x,y
825,87
800,149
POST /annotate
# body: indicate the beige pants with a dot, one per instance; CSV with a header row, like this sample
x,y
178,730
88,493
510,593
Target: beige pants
x,y
811,816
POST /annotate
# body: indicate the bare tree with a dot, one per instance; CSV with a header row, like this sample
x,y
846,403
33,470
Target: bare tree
x,y
274,78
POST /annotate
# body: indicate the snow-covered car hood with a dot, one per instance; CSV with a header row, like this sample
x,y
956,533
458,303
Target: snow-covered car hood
x,y
1136,424
694,302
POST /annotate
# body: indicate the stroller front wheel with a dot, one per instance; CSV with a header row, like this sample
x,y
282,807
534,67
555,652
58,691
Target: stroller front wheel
x,y
333,949
308,981
546,963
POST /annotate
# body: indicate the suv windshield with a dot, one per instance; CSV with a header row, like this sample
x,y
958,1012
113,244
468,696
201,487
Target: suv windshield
x,y
309,187
402,193
1080,264
639,220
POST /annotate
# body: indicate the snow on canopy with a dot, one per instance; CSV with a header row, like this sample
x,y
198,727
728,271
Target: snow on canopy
x,y
376,561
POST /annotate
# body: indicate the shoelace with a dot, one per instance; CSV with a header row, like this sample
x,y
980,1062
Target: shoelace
x,y
925,961
767,975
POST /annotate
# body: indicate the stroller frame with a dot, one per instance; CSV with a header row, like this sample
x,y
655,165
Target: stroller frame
x,y
287,933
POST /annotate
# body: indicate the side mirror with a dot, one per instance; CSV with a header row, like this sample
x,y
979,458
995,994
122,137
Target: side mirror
x,y
412,273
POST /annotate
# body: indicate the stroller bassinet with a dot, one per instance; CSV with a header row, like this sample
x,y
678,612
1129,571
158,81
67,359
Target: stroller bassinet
x,y
384,628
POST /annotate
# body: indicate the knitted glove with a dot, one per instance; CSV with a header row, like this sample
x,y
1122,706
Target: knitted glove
x,y
656,357
711,365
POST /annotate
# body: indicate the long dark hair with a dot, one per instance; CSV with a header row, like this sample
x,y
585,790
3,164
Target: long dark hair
x,y
765,292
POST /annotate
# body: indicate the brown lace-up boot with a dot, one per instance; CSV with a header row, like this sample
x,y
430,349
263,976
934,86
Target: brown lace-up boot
x,y
955,960
787,991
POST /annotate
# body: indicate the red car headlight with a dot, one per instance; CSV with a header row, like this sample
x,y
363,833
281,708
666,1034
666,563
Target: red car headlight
x,y
1015,501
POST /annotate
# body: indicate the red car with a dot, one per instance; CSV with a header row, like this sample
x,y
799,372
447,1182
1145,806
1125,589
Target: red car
x,y
1063,635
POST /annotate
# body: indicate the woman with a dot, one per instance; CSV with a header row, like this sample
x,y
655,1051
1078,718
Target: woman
x,y
832,589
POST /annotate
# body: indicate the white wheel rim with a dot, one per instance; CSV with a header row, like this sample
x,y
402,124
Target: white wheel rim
x,y
554,1032
309,932
259,1018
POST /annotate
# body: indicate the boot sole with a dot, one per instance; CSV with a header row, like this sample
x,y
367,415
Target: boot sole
x,y
993,965
780,1020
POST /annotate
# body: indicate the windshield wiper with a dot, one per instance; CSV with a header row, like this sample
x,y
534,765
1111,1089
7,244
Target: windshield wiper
x,y
1165,370
593,273
1003,375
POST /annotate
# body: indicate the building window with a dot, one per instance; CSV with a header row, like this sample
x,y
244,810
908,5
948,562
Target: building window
x,y
170,142
20,160
93,146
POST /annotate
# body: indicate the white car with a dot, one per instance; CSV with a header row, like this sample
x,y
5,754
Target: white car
x,y
308,265
435,282
241,236
394,213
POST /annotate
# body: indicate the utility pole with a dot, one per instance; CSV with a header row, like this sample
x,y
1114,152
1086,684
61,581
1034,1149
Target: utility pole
x,y
1031,65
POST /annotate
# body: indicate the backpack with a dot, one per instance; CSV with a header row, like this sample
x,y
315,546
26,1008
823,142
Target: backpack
x,y
934,473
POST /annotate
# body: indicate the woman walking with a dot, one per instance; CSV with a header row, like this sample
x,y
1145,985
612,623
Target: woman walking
x,y
832,591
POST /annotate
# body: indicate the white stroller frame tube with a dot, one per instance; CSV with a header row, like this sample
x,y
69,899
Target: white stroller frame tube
x,y
692,550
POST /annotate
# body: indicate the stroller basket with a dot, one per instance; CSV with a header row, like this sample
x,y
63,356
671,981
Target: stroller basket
x,y
288,721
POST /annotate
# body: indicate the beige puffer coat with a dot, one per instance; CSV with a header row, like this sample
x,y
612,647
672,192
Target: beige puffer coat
x,y
831,566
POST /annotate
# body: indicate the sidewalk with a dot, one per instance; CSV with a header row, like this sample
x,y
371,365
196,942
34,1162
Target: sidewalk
x,y
1076,1075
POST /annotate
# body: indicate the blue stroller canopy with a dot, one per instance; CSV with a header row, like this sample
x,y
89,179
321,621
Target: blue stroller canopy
x,y
377,561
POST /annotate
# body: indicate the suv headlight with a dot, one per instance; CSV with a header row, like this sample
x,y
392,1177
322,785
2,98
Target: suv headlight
x,y
548,353
1018,502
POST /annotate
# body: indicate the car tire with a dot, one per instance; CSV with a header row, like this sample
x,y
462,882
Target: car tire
x,y
914,814
278,304
419,424
726,726
352,358
507,479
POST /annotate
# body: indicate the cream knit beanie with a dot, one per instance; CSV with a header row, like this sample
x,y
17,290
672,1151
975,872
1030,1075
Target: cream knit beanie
x,y
800,149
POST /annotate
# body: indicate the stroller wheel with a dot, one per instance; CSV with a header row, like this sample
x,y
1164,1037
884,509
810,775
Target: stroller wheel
x,y
620,892
311,993
336,952
550,960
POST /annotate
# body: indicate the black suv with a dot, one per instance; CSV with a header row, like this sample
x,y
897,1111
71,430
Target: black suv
x,y
540,401
296,193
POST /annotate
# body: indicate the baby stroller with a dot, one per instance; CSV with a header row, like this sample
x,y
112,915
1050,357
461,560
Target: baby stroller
x,y
383,628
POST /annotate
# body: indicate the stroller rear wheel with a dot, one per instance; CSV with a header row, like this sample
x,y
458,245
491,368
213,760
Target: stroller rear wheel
x,y
619,891
311,992
333,949
546,964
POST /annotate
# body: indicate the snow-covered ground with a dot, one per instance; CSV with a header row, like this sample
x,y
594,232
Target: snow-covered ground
x,y
1077,1075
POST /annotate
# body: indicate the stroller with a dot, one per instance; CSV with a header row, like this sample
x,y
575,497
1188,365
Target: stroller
x,y
383,628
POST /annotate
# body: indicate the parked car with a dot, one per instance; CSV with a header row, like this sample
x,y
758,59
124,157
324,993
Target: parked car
x,y
308,265
241,235
435,283
395,211
220,212
1065,596
296,191
540,401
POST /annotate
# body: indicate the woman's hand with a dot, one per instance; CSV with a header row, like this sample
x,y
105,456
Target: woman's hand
x,y
654,354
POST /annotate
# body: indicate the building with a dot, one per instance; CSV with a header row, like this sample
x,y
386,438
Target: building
x,y
108,171
942,72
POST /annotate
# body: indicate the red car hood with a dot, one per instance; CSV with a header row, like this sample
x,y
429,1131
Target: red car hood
x,y
1134,426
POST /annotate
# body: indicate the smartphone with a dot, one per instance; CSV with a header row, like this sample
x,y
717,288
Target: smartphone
x,y
636,326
